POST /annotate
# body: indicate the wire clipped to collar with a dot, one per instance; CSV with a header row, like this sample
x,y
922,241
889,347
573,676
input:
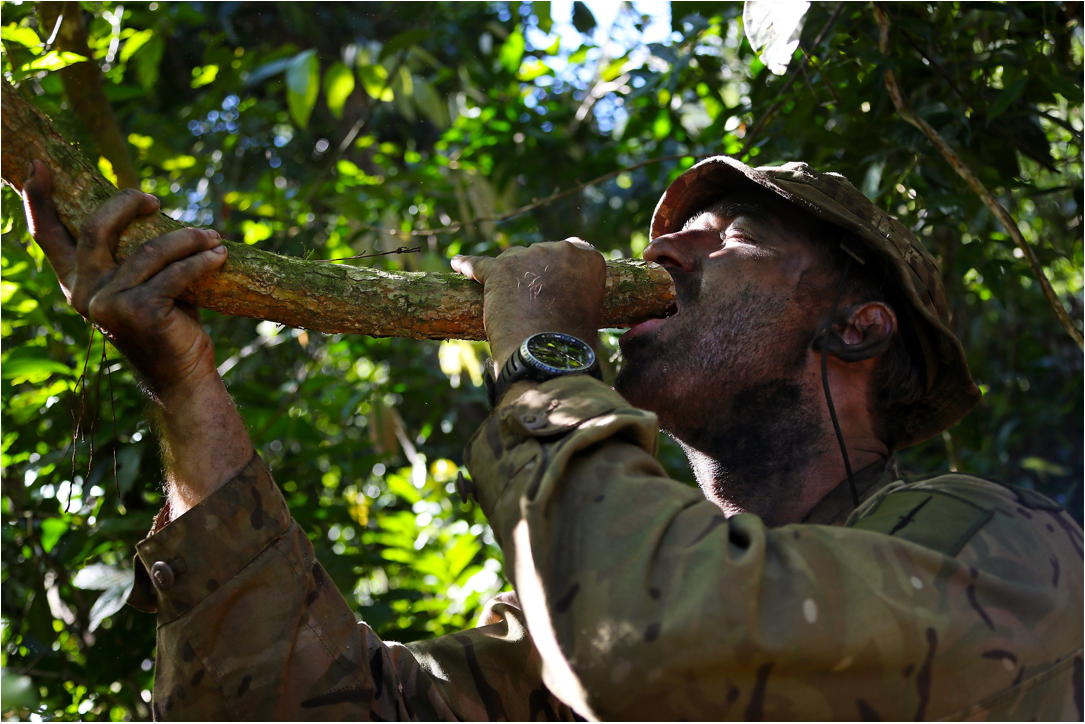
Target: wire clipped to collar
x,y
825,380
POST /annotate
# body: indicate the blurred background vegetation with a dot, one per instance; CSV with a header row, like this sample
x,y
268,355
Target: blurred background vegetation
x,y
328,130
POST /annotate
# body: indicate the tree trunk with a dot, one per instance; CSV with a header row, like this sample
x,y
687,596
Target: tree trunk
x,y
321,296
85,90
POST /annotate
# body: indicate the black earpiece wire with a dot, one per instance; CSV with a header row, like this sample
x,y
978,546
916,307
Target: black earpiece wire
x,y
825,382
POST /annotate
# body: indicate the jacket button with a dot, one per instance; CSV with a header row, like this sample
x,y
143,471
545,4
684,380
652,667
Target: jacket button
x,y
162,574
465,487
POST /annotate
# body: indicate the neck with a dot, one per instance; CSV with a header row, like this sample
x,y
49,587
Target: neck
x,y
778,455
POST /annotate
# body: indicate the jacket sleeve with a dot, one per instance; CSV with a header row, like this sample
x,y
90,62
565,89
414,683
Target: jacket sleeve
x,y
251,627
646,602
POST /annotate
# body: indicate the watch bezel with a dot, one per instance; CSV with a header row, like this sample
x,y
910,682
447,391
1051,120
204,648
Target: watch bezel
x,y
534,362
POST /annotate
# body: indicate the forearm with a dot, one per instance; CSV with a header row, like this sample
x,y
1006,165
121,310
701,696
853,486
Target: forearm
x,y
203,438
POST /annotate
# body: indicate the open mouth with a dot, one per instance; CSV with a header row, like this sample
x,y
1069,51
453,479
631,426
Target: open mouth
x,y
649,325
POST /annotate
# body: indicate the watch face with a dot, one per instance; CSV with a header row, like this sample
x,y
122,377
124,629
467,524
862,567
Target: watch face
x,y
560,351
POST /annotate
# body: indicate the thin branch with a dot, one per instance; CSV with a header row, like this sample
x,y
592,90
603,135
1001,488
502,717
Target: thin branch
x,y
400,250
906,112
458,225
827,83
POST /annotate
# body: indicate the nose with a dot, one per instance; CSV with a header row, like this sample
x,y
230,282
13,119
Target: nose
x,y
672,252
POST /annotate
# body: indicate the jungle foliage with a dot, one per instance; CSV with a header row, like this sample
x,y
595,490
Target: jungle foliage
x,y
307,129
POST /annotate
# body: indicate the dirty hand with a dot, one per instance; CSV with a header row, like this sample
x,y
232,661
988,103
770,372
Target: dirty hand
x,y
135,302
555,286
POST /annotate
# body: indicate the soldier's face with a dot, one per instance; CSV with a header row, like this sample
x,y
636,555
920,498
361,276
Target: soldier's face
x,y
746,310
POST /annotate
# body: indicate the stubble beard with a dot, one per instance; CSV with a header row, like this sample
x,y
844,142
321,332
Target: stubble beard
x,y
725,379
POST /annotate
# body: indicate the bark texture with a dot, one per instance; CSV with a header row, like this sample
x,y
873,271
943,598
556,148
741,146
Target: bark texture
x,y
323,297
85,90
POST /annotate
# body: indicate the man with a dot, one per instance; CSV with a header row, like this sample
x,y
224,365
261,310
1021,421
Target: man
x,y
809,341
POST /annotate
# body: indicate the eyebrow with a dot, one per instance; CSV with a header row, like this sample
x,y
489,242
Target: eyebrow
x,y
730,210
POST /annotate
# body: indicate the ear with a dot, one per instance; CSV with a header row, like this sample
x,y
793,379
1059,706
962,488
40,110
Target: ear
x,y
859,332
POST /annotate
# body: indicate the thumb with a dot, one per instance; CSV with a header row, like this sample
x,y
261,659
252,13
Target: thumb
x,y
44,221
472,267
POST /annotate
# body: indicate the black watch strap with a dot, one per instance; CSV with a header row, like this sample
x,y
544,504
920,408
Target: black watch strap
x,y
518,368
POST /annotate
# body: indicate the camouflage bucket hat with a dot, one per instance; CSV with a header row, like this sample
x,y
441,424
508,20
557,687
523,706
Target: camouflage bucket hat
x,y
951,393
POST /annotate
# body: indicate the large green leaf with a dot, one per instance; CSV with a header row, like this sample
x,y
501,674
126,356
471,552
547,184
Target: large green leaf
x,y
375,81
17,691
583,19
338,85
1006,97
302,86
773,28
33,369
512,51
542,13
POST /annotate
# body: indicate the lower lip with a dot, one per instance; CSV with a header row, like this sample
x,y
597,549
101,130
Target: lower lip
x,y
643,328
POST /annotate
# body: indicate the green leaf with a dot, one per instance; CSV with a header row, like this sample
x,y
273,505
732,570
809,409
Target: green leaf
x,y
99,577
773,29
1006,97
116,583
401,41
338,85
255,231
614,68
55,60
404,91
204,75
33,369
267,70
110,602
1039,465
51,530
1064,86
542,14
17,690
134,43
22,36
430,103
374,79
583,20
148,60
533,68
661,126
302,86
580,55
512,52
460,555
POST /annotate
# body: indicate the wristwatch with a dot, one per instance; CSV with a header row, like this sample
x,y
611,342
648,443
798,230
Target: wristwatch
x,y
542,357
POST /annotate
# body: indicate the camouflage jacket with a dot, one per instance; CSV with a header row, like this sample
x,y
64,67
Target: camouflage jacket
x,y
945,598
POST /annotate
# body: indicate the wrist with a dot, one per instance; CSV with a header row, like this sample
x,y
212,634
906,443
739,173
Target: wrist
x,y
500,352
192,390
204,440
543,356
